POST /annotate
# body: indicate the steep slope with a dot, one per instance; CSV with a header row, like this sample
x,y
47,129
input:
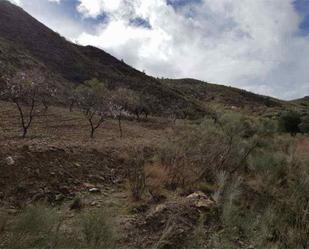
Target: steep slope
x,y
207,92
24,42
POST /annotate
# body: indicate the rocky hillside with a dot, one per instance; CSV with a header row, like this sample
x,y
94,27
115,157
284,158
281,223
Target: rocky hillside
x,y
25,42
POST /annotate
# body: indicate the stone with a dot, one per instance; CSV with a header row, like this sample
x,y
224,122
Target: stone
x,y
88,185
10,161
200,200
94,190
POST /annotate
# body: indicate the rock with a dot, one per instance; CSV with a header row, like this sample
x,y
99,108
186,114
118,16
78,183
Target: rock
x,y
94,190
160,208
88,185
197,195
10,161
200,200
77,165
204,203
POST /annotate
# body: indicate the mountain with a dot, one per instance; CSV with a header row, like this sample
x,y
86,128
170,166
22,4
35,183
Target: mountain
x,y
25,42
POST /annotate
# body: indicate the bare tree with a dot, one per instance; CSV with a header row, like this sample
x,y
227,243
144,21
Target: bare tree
x,y
123,100
175,112
23,89
48,93
93,99
72,97
144,105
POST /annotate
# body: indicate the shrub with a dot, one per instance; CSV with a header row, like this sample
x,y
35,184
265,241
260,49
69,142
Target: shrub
x,y
198,152
304,125
36,227
136,175
41,227
156,178
97,230
289,122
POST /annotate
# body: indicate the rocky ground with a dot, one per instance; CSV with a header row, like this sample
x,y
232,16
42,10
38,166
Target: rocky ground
x,y
58,163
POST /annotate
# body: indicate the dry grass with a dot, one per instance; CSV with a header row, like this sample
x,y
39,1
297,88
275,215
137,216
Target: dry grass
x,y
60,128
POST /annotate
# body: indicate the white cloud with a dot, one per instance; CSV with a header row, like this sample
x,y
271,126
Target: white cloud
x,y
17,2
252,44
93,8
245,43
56,1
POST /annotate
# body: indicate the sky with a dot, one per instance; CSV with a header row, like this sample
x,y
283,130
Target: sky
x,y
258,45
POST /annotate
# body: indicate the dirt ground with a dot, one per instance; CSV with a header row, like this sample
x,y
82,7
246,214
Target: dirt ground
x,y
58,162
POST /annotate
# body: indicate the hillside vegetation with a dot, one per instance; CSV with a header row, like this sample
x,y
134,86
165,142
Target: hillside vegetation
x,y
97,155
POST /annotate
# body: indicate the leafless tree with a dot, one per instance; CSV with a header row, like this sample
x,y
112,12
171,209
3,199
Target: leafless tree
x,y
123,100
72,97
93,99
24,90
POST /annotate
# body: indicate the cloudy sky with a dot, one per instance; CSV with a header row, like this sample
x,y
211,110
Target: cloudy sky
x,y
259,45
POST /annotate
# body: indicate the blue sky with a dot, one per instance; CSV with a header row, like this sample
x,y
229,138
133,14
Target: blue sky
x,y
259,45
302,7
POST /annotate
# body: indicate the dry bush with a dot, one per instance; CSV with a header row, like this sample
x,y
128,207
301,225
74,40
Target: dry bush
x,y
42,227
198,152
97,230
156,178
136,175
36,227
275,193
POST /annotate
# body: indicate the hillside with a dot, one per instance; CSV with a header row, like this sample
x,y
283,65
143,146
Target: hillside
x,y
25,42
95,174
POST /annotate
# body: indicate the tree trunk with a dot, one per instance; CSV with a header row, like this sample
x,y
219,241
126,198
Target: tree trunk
x,y
119,124
25,130
45,106
92,133
71,106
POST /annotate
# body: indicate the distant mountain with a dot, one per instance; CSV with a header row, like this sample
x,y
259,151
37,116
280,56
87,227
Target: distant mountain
x,y
25,42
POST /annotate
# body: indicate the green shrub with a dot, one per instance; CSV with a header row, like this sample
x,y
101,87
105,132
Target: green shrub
x,y
36,227
97,230
304,125
289,122
40,227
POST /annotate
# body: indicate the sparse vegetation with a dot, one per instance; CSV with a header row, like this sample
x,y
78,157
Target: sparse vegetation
x,y
136,175
25,89
93,99
232,172
123,102
42,227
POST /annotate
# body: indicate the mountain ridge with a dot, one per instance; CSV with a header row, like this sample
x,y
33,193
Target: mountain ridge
x,y
25,41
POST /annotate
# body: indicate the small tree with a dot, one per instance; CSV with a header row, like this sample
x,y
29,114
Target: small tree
x,y
304,125
144,105
47,93
93,99
175,112
72,97
123,100
24,90
289,122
